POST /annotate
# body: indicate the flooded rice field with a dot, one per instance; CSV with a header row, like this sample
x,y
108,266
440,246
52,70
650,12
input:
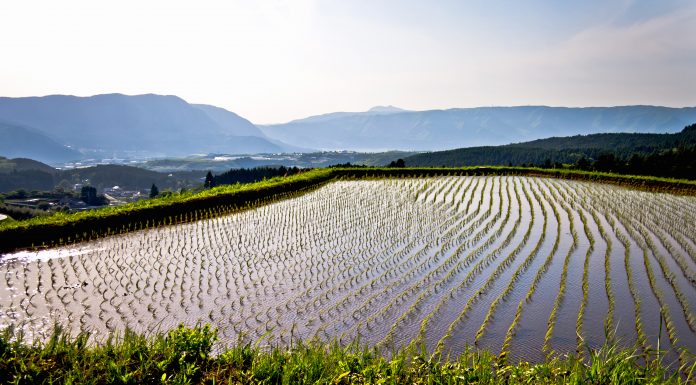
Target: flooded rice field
x,y
522,265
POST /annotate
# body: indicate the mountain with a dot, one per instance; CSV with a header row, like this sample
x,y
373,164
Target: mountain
x,y
121,125
559,149
8,166
20,141
390,128
230,121
385,109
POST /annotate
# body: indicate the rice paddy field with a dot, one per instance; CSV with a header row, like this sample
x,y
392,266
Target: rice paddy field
x,y
525,266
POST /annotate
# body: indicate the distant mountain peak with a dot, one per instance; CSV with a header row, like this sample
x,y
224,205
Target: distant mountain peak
x,y
386,109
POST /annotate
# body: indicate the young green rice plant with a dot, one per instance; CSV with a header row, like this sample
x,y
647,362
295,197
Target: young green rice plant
x,y
537,278
422,282
466,220
608,323
640,234
564,277
434,288
657,223
585,284
521,269
657,291
669,277
474,271
499,270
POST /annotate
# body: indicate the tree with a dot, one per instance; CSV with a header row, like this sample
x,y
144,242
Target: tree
x,y
398,164
88,194
154,191
583,164
209,181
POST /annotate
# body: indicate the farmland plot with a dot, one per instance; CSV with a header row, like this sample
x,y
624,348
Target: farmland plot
x,y
522,265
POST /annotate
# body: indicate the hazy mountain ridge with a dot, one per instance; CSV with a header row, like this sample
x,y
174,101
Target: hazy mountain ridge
x,y
20,141
119,124
467,127
54,128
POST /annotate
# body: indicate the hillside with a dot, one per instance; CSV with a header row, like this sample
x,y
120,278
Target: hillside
x,y
8,166
466,127
120,125
22,141
557,149
30,175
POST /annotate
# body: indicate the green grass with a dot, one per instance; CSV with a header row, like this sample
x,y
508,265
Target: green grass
x,y
186,207
184,356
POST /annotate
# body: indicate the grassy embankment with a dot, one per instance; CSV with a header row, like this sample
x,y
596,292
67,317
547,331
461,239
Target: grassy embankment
x,y
179,208
183,356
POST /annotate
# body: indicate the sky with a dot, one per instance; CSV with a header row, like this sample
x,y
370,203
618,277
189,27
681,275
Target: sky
x,y
278,60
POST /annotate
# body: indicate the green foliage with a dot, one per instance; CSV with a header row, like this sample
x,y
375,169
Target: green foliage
x,y
89,195
183,356
154,191
20,213
399,163
665,155
209,180
250,175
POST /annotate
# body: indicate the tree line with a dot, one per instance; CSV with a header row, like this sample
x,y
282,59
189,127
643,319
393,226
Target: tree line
x,y
248,175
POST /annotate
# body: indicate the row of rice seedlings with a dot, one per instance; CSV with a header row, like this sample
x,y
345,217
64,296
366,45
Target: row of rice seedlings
x,y
610,210
422,252
252,295
521,269
657,225
640,330
669,277
676,255
192,216
352,292
676,214
657,292
387,270
440,267
585,284
564,273
643,228
494,276
537,278
345,290
435,193
609,320
476,269
435,287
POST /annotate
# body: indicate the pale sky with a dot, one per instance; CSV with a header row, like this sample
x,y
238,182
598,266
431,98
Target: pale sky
x,y
273,61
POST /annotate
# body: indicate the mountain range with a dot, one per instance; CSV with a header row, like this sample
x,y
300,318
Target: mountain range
x,y
62,128
392,128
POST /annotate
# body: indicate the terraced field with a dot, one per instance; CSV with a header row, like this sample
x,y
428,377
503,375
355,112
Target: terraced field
x,y
522,265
